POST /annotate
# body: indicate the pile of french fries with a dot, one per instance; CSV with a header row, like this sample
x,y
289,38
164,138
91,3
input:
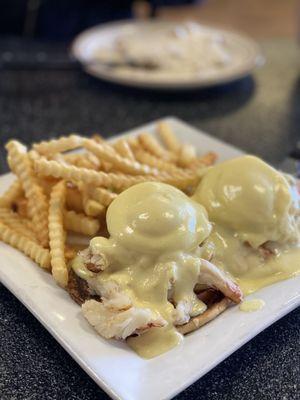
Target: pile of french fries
x,y
58,191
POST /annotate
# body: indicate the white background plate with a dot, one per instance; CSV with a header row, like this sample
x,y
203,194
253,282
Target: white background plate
x,y
246,52
119,371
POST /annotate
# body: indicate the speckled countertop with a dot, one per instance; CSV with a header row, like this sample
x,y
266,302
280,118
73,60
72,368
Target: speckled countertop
x,y
260,114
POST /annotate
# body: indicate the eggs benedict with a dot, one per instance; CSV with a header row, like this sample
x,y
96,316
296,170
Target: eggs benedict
x,y
146,273
255,214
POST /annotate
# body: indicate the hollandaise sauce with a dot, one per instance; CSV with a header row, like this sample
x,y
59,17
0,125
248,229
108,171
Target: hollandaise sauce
x,y
277,268
155,232
251,268
252,305
251,204
155,341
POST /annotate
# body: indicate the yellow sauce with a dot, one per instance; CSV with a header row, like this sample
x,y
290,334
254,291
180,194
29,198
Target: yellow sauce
x,y
276,269
251,198
252,305
154,217
80,269
155,341
250,204
154,245
248,266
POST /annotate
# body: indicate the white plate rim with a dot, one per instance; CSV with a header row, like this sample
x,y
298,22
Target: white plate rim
x,y
284,309
256,60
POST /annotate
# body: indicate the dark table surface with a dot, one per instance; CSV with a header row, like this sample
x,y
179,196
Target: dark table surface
x,y
260,114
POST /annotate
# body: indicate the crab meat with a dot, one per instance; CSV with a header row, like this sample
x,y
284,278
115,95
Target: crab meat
x,y
212,276
115,316
94,262
118,324
182,312
111,295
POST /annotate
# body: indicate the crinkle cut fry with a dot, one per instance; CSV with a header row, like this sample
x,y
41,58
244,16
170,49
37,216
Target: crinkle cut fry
x,y
33,250
133,142
84,160
168,137
14,192
204,161
116,180
107,153
21,165
180,179
123,148
58,145
53,168
47,184
21,210
202,319
28,224
91,207
80,223
147,158
186,155
21,207
18,224
93,160
150,144
74,199
102,195
98,138
70,253
57,234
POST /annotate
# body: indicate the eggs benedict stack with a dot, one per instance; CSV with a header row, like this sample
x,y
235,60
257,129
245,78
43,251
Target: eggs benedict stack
x,y
255,214
172,263
146,272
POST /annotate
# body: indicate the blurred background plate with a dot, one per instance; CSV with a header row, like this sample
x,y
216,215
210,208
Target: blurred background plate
x,y
246,55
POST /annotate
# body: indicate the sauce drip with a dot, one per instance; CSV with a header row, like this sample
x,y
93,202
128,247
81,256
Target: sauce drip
x,y
155,341
252,305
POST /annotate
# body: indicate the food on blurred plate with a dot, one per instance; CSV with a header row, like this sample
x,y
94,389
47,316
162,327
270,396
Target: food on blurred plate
x,y
173,240
188,49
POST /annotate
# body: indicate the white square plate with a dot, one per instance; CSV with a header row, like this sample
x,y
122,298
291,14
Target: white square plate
x,y
119,371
